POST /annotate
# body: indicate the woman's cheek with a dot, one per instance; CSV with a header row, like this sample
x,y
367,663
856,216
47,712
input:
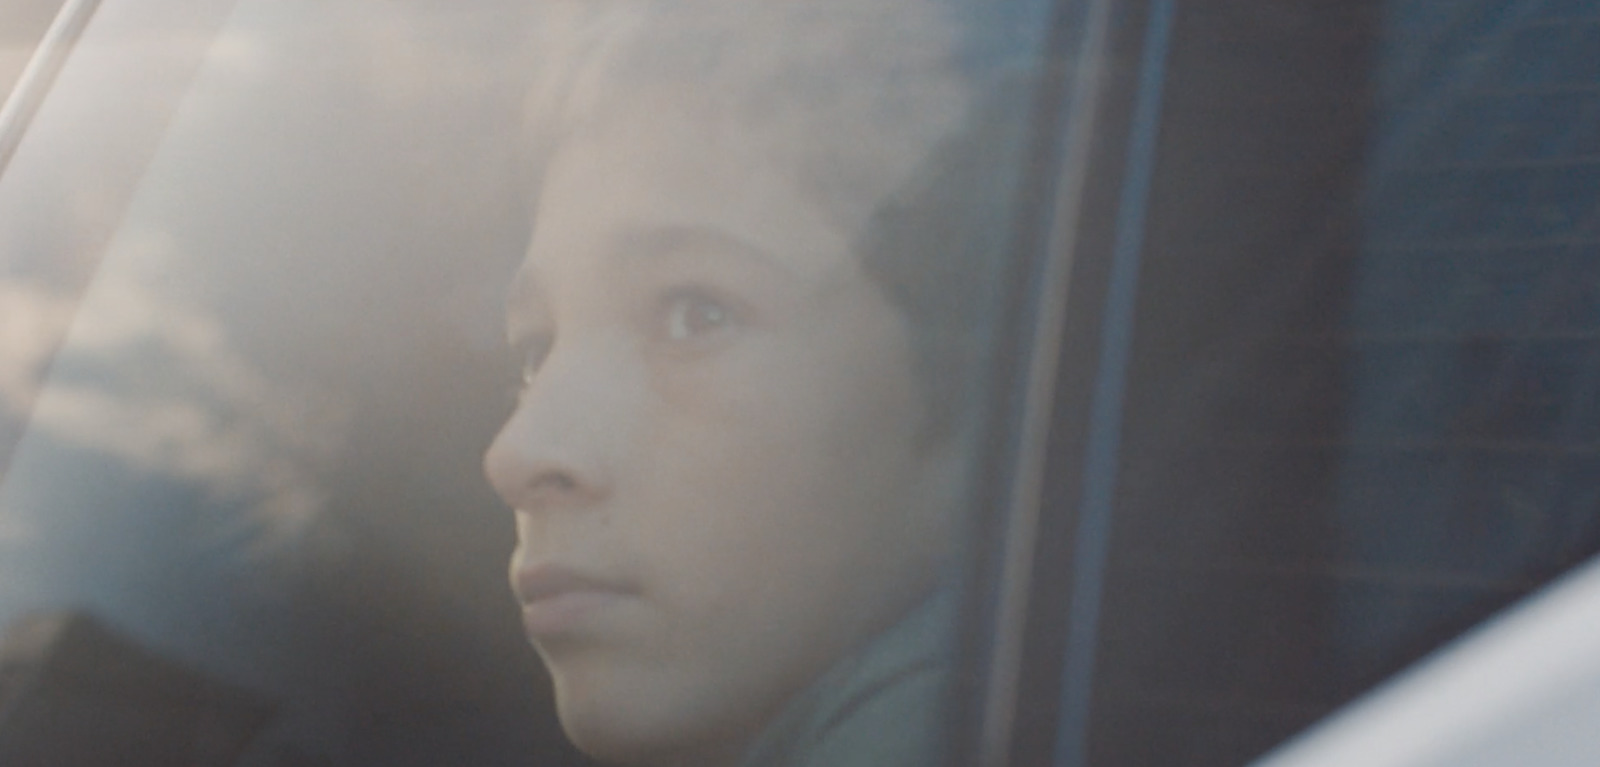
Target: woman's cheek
x,y
742,383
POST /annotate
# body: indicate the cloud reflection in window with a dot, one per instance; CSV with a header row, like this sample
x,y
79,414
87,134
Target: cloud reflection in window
x,y
155,384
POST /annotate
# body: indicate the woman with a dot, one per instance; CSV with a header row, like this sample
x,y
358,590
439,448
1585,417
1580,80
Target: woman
x,y
747,311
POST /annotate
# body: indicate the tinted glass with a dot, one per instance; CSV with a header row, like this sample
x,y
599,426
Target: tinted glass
x,y
1359,405
765,290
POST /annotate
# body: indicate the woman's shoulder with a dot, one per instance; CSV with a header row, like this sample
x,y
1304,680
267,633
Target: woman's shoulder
x,y
883,706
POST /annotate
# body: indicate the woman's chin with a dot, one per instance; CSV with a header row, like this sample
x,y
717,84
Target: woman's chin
x,y
620,723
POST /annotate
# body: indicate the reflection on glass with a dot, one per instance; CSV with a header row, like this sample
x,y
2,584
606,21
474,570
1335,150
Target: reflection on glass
x,y
750,316
217,431
150,422
22,25
753,317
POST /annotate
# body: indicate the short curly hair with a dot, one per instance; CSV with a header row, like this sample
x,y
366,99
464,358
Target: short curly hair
x,y
877,107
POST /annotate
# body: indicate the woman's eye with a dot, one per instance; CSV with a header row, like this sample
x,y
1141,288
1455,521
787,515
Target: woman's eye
x,y
693,314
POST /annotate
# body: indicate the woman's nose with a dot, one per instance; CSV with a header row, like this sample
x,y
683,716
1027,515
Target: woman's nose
x,y
558,448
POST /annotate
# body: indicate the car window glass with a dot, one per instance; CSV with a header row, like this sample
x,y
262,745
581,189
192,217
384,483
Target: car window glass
x,y
276,282
25,24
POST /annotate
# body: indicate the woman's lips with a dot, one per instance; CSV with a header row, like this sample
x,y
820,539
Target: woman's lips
x,y
559,600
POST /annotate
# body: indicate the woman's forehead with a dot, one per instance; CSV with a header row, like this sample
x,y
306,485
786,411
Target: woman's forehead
x,y
678,184
674,159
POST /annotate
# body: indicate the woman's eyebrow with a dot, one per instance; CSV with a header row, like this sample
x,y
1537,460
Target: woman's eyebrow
x,y
672,241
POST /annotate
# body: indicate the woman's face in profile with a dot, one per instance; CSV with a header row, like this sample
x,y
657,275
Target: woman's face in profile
x,y
718,467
